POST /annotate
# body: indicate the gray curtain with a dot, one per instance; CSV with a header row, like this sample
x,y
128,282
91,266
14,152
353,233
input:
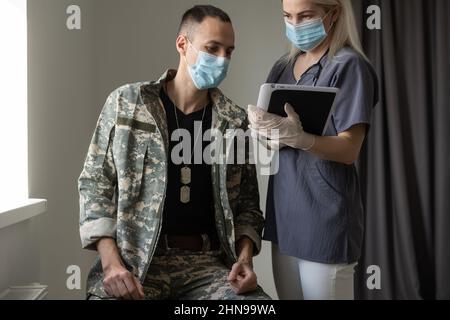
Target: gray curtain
x,y
405,165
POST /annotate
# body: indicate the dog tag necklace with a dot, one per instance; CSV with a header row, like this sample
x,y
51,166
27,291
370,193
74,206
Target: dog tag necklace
x,y
185,191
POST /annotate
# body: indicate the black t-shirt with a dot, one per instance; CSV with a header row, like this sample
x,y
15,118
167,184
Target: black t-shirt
x,y
196,216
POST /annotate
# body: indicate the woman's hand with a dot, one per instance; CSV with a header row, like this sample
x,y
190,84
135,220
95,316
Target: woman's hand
x,y
281,131
343,148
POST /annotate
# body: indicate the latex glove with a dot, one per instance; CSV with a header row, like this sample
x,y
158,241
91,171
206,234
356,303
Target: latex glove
x,y
267,143
256,117
290,129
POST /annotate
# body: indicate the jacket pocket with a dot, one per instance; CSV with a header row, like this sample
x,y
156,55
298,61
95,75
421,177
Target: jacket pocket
x,y
130,151
135,124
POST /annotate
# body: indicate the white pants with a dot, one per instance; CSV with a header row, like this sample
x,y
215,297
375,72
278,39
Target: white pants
x,y
297,279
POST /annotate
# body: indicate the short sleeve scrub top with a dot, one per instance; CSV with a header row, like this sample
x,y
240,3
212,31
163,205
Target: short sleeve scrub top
x,y
314,210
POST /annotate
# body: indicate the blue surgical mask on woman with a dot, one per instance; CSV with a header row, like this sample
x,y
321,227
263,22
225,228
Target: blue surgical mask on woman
x,y
308,35
209,70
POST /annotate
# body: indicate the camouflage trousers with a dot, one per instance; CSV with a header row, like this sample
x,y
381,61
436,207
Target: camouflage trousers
x,y
190,275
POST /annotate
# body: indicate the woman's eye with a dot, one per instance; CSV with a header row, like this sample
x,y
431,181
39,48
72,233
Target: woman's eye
x,y
305,19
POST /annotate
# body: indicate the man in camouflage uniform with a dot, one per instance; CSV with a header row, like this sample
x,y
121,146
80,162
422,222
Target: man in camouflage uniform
x,y
124,182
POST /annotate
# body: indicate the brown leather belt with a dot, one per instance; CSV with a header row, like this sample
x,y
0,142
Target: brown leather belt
x,y
199,242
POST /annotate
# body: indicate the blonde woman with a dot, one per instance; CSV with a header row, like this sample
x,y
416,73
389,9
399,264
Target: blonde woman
x,y
314,215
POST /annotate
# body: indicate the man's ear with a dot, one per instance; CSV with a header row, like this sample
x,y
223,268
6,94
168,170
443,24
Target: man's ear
x,y
181,44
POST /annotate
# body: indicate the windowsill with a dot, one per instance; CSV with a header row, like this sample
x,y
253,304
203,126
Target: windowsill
x,y
21,212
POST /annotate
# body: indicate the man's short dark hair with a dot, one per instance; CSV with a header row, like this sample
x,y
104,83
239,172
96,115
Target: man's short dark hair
x,y
197,14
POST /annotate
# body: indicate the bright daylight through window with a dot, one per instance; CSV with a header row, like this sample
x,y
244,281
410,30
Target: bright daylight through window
x,y
13,106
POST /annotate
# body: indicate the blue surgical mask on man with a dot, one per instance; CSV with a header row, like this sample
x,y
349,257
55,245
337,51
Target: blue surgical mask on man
x,y
308,35
209,70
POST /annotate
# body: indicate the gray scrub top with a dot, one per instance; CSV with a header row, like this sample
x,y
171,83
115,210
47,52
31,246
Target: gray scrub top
x,y
314,210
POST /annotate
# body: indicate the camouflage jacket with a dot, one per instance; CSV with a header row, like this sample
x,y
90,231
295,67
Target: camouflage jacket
x,y
122,186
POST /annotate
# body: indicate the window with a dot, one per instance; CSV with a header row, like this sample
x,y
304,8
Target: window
x,y
13,104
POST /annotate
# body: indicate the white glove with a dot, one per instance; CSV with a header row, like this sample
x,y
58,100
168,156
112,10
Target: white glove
x,y
290,129
267,143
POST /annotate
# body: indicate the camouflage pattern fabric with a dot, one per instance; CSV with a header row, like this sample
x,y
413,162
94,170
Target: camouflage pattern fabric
x,y
188,275
123,182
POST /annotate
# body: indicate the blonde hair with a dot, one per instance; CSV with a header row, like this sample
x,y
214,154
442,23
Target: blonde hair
x,y
344,31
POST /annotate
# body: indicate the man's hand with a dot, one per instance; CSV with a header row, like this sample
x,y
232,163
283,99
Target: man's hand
x,y
117,280
121,283
242,278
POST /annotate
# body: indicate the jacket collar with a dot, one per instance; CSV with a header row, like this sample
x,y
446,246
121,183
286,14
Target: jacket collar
x,y
224,107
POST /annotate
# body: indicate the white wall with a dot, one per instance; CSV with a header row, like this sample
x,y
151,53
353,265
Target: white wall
x,y
19,252
62,113
72,72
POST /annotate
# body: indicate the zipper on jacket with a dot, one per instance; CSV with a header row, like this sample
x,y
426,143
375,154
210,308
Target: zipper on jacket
x,y
217,192
153,248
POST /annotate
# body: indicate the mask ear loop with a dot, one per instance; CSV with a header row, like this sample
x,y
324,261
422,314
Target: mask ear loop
x,y
190,43
332,22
